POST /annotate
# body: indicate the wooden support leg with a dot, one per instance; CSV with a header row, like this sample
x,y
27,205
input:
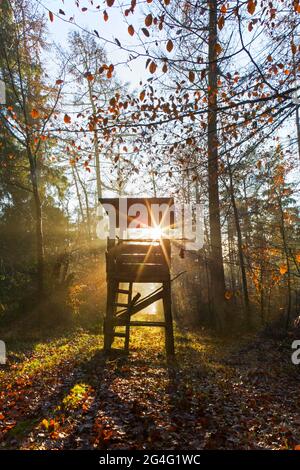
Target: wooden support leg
x,y
112,287
127,330
169,335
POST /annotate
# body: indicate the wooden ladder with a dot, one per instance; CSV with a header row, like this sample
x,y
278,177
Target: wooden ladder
x,y
113,304
122,318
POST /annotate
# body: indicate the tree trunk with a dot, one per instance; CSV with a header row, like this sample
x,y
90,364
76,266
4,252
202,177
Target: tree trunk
x,y
216,264
287,259
96,144
240,247
86,197
78,195
298,129
38,224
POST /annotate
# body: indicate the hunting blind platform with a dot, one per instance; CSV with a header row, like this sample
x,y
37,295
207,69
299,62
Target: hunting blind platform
x,y
137,260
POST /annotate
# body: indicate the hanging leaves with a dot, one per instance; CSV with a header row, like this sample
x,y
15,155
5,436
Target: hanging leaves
x,y
89,76
228,294
283,269
148,20
152,67
35,114
223,9
251,6
221,22
51,16
218,49
110,71
105,15
191,76
165,68
169,46
146,32
131,30
110,3
67,119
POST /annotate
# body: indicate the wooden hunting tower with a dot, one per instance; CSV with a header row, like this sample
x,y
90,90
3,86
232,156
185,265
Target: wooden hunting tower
x,y
137,260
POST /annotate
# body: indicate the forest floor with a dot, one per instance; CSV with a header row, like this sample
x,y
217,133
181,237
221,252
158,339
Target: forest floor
x,y
221,393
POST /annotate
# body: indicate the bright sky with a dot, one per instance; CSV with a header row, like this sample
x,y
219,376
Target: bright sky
x,y
92,19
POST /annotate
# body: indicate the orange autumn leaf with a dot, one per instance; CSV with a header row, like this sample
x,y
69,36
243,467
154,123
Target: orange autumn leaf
x,y
169,45
35,114
251,7
283,269
51,17
148,20
105,15
131,30
298,258
152,67
228,295
67,119
218,49
45,423
1,416
90,77
110,3
223,9
191,76
221,22
297,447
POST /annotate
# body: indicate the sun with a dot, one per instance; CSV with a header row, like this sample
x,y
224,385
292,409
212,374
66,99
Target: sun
x,y
155,233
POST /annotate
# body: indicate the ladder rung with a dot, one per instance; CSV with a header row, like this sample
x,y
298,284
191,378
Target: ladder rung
x,y
148,323
121,322
120,335
119,304
123,291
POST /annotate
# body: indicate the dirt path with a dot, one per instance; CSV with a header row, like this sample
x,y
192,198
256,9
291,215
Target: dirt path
x,y
221,394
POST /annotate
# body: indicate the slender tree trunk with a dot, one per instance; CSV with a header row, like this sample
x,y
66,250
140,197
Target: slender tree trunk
x,y
153,182
88,217
262,295
297,116
247,224
298,128
231,255
38,224
78,194
240,247
96,143
287,260
216,264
